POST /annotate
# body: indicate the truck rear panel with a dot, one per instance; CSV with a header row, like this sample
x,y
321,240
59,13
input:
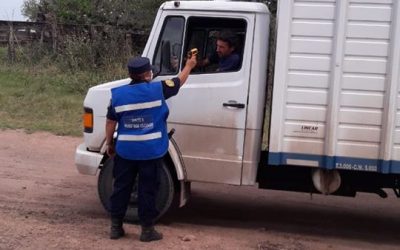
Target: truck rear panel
x,y
336,89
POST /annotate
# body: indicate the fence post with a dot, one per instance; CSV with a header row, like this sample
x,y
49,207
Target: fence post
x,y
92,33
128,44
54,36
11,47
42,29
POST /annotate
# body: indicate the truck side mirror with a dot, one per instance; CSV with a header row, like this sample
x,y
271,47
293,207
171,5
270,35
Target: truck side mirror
x,y
165,60
165,57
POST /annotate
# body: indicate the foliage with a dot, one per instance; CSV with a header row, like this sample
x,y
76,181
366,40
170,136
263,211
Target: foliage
x,y
80,52
138,13
41,95
36,99
272,5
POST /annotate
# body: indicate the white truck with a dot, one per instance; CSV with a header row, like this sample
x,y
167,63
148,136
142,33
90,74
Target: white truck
x,y
332,125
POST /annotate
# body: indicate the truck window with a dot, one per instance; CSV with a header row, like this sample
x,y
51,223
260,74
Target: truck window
x,y
203,34
168,51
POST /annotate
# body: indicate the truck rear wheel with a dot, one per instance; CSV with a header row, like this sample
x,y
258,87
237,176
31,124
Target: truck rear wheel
x,y
164,198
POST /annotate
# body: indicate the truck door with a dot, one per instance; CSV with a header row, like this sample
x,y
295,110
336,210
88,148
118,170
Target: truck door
x,y
209,112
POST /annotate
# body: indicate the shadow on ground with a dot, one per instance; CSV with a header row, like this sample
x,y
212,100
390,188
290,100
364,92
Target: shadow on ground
x,y
338,217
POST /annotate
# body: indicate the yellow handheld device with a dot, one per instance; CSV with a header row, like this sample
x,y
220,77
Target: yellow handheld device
x,y
194,51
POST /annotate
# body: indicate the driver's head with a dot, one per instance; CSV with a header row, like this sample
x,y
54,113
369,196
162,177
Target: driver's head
x,y
139,69
226,43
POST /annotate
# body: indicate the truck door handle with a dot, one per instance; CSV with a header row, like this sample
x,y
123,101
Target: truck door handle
x,y
233,104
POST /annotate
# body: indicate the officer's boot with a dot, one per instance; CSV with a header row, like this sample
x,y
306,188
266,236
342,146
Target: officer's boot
x,y
150,234
116,231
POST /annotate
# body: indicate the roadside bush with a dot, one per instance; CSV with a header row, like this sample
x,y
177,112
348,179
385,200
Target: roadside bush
x,y
85,53
43,89
78,63
89,62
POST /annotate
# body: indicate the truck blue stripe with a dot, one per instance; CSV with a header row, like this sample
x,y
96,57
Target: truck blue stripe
x,y
338,162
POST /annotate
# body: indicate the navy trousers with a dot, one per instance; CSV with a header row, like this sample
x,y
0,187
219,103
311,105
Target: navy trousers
x,y
125,173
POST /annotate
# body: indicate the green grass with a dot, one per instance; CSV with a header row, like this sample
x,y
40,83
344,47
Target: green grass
x,y
43,97
37,102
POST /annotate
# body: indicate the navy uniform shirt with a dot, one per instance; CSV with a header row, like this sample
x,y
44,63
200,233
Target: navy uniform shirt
x,y
228,63
168,91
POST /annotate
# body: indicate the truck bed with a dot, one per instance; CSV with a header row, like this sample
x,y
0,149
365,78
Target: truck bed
x,y
336,87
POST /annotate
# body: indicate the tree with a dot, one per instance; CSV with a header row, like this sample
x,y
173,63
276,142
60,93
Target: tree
x,y
33,10
138,13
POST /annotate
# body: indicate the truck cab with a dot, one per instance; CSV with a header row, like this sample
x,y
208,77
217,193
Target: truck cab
x,y
217,116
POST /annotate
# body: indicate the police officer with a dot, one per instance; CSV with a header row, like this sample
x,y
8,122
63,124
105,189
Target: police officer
x,y
141,113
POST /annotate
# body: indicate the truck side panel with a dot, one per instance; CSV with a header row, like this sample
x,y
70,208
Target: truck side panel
x,y
336,88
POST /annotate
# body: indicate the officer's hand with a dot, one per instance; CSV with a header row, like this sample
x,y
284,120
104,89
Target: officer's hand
x,y
111,150
192,61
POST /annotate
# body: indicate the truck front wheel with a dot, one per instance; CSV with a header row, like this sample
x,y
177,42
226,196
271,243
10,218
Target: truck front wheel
x,y
164,198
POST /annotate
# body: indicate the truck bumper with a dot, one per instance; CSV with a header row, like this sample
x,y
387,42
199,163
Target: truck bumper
x,y
87,162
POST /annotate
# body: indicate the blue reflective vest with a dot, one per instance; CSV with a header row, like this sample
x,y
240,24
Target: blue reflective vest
x,y
142,121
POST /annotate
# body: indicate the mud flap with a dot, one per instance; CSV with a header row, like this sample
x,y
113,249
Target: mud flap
x,y
185,193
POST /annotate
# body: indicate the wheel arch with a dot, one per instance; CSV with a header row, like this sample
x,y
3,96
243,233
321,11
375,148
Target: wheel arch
x,y
175,158
178,171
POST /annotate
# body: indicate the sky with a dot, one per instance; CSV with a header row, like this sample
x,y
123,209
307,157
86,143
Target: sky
x,y
10,10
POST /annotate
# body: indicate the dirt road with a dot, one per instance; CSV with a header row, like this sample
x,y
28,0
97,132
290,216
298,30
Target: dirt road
x,y
46,204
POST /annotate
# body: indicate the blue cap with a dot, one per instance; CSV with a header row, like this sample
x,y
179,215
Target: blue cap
x,y
139,65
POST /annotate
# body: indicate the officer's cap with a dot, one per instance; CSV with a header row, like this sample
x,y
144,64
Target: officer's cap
x,y
139,65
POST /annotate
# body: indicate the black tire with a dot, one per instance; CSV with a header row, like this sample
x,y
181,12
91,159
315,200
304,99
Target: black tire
x,y
164,198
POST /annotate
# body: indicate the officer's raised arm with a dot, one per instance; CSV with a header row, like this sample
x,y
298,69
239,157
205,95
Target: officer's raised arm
x,y
190,64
